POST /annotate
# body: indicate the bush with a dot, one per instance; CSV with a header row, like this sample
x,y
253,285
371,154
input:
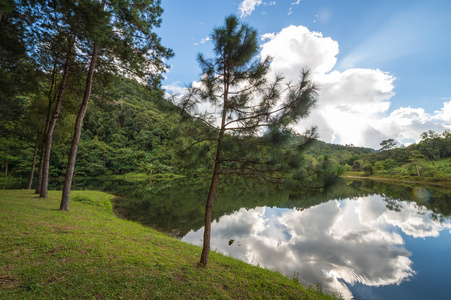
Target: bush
x,y
368,168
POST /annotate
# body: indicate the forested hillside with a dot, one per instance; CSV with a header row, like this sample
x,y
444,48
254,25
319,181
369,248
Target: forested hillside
x,y
132,128
126,129
339,153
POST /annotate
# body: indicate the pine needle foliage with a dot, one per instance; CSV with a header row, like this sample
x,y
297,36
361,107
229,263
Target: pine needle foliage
x,y
249,117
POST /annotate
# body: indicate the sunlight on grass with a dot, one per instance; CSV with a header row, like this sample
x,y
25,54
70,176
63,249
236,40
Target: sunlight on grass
x,y
89,253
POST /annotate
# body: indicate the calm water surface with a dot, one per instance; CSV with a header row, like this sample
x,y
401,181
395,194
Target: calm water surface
x,y
351,246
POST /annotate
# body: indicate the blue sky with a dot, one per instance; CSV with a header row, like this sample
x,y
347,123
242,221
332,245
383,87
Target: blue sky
x,y
384,66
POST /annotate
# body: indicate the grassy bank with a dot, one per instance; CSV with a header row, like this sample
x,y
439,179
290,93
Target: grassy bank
x,y
88,253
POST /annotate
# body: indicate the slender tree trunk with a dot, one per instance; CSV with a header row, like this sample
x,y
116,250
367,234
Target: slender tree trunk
x,y
33,164
208,210
7,160
77,132
44,129
214,182
52,124
39,181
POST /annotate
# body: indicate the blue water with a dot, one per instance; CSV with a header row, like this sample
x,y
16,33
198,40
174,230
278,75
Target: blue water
x,y
359,247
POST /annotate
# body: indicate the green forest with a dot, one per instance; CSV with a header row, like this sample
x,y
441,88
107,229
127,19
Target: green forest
x,y
129,124
131,128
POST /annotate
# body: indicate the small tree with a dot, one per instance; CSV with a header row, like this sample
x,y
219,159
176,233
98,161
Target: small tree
x,y
384,166
368,168
387,145
416,158
249,132
431,144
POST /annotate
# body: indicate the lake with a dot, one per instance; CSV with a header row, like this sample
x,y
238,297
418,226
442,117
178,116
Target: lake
x,y
363,239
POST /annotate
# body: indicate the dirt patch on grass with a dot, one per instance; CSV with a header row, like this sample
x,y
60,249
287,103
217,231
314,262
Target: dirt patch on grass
x,y
64,228
8,281
179,277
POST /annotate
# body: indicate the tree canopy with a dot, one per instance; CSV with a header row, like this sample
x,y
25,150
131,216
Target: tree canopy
x,y
250,116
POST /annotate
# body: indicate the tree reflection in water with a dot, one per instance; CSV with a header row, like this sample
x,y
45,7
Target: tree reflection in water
x,y
353,233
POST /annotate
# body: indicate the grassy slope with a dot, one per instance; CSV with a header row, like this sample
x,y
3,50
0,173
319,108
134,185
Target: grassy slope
x,y
89,253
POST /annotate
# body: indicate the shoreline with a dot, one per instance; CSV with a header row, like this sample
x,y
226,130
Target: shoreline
x,y
444,184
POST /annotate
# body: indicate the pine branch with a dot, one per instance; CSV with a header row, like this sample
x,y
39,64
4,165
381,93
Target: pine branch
x,y
249,127
197,142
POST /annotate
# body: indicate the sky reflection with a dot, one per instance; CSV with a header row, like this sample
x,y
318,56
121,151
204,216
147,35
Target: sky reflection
x,y
338,242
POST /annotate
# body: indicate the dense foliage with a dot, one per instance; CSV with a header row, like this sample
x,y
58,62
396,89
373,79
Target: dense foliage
x,y
429,159
125,130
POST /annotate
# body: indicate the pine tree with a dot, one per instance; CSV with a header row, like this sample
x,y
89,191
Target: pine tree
x,y
118,37
253,135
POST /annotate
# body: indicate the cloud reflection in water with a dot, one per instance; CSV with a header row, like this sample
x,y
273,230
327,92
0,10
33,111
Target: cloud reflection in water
x,y
331,243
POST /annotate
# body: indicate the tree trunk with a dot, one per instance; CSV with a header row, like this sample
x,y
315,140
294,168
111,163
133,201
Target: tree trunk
x,y
33,164
77,133
44,129
7,160
208,209
214,182
52,124
39,181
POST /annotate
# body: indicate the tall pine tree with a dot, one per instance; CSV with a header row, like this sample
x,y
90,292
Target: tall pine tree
x,y
250,123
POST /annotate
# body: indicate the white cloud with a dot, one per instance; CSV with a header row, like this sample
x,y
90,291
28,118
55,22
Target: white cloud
x,y
353,106
174,88
203,41
290,10
408,123
445,113
296,47
267,36
248,6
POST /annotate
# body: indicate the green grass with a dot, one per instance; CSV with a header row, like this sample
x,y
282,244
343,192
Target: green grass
x,y
88,253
